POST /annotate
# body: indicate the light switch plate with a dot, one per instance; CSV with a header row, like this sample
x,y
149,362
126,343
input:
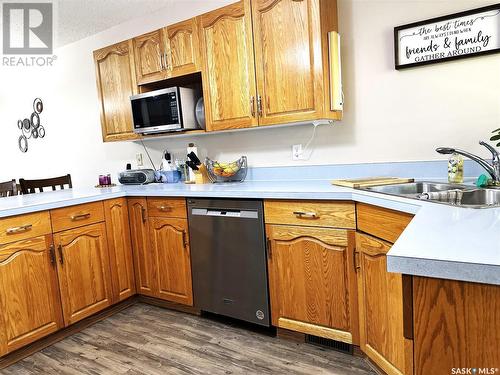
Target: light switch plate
x,y
138,158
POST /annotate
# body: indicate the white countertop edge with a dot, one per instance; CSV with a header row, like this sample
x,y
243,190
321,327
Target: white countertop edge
x,y
59,204
424,242
440,269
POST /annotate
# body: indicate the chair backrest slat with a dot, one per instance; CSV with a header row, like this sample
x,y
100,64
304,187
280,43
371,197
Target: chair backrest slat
x,y
30,186
8,188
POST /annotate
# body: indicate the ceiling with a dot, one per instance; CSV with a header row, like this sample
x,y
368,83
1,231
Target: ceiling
x,y
78,19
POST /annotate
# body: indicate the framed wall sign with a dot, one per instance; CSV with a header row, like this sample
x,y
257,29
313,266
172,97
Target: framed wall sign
x,y
466,34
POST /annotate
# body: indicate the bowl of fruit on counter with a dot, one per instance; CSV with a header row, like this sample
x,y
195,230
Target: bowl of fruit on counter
x,y
235,171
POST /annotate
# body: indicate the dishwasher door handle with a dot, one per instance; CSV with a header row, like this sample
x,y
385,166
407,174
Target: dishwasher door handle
x,y
225,213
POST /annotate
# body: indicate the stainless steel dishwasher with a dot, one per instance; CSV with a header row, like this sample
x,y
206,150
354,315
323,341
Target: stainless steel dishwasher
x,y
228,258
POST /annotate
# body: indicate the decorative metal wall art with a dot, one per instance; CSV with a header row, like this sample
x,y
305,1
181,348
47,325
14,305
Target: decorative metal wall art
x,y
31,127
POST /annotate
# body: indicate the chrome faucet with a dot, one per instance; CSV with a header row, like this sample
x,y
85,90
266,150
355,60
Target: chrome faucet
x,y
493,169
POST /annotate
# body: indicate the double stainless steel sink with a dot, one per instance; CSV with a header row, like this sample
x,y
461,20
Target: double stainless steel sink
x,y
451,194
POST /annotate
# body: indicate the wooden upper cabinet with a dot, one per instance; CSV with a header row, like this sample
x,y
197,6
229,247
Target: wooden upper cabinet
x,y
149,53
382,309
182,47
145,276
84,272
115,76
228,68
30,307
310,273
120,248
170,242
288,60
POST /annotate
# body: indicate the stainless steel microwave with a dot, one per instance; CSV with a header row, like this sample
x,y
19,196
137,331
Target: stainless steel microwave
x,y
165,110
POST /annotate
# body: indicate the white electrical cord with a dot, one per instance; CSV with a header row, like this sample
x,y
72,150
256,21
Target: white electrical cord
x,y
310,141
147,153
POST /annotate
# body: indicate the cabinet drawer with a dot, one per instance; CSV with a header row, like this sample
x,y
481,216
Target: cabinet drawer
x,y
311,213
382,222
167,207
77,216
24,226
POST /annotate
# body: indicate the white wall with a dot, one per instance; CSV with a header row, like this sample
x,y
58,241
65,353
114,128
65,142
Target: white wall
x,y
73,143
389,115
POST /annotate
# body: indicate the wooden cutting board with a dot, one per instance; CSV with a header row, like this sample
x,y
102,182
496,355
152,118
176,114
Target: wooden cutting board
x,y
371,181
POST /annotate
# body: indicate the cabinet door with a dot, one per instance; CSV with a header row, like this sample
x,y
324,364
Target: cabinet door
x,y
145,276
457,325
170,241
149,55
120,248
183,47
84,273
309,280
30,307
381,309
288,60
115,84
228,67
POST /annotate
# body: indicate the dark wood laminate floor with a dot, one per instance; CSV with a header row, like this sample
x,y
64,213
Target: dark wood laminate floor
x,y
145,339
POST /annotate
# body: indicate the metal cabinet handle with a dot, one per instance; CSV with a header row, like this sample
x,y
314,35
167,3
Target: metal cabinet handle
x,y
20,229
252,106
61,257
143,213
162,64
268,245
167,63
357,266
306,215
52,254
165,208
80,216
259,105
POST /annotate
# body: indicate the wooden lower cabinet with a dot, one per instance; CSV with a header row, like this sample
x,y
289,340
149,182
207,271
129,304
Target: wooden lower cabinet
x,y
457,325
30,305
120,248
161,249
145,275
312,282
382,314
170,241
84,271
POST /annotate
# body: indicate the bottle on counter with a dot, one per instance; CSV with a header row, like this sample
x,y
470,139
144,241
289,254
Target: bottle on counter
x,y
191,178
456,169
167,162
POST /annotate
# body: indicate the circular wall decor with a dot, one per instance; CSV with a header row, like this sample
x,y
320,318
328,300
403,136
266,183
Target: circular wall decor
x,y
31,128
23,143
38,105
35,120
41,131
26,124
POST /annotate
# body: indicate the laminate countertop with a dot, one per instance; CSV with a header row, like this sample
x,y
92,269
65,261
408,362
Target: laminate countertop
x,y
441,241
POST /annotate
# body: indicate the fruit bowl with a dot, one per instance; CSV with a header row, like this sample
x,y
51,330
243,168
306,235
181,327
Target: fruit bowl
x,y
235,171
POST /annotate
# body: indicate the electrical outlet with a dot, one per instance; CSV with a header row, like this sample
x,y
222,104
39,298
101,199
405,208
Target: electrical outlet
x,y
297,152
138,158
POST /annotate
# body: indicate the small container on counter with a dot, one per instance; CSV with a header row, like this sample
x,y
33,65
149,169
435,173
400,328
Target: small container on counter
x,y
105,180
456,169
168,177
